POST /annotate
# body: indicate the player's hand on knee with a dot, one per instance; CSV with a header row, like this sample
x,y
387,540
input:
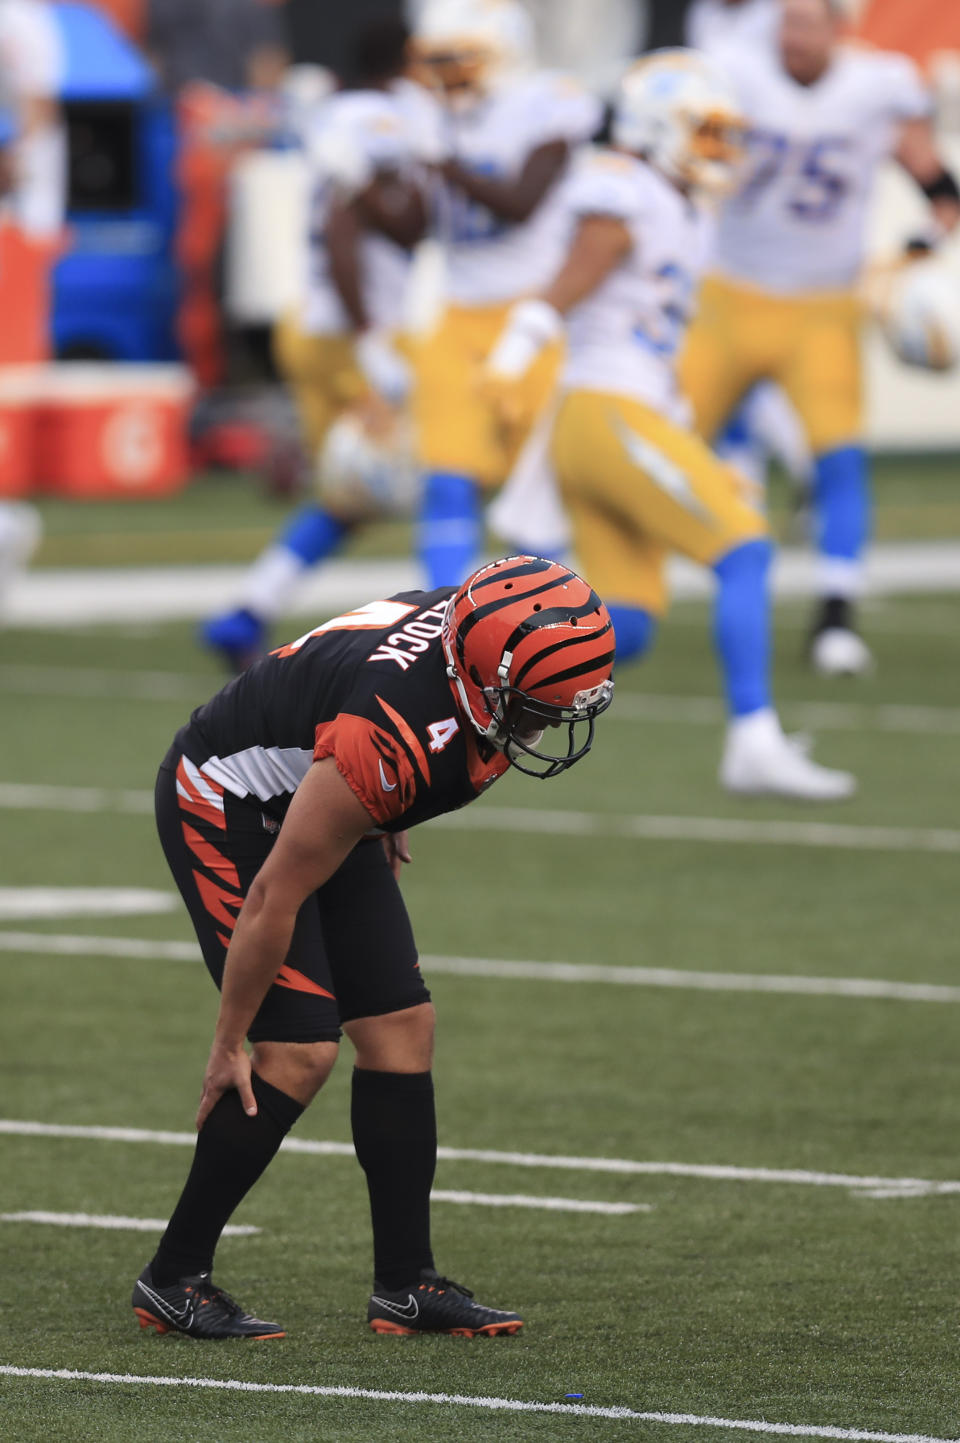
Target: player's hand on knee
x,y
226,1070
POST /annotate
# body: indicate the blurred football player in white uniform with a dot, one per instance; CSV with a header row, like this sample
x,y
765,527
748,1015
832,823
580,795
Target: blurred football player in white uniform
x,y
636,482
765,425
783,305
510,130
712,23
339,353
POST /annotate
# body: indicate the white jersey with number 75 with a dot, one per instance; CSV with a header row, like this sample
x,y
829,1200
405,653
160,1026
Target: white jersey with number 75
x,y
797,223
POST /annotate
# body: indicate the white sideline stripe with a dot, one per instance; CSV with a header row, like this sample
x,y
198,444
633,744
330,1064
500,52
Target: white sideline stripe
x,y
622,1167
464,1400
547,1204
572,824
60,944
72,597
823,716
108,1220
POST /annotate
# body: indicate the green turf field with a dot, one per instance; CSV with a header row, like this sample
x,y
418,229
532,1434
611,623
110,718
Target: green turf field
x,y
794,1300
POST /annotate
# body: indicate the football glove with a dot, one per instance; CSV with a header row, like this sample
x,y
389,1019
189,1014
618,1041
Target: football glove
x,y
383,367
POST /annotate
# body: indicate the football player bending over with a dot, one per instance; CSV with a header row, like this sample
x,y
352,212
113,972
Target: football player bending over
x,y
283,808
782,304
636,483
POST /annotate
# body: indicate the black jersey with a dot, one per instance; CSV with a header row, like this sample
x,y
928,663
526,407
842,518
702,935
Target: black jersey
x,y
369,689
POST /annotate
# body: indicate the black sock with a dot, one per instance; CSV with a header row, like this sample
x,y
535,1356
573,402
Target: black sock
x,y
395,1136
232,1152
834,611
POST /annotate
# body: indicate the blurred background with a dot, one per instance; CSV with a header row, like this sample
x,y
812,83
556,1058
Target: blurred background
x,y
154,235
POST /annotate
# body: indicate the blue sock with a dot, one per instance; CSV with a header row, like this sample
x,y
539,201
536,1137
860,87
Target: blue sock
x,y
736,432
741,625
634,629
313,534
842,498
450,528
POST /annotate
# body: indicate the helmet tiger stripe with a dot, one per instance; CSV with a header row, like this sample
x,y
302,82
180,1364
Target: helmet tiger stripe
x,y
530,646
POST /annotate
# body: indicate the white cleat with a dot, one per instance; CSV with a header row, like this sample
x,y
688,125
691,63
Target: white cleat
x,y
840,652
760,761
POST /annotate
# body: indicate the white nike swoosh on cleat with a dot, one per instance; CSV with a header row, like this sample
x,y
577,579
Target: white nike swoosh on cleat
x,y
387,786
182,1315
410,1309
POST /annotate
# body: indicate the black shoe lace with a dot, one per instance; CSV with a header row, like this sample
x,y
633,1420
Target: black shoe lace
x,y
208,1293
445,1284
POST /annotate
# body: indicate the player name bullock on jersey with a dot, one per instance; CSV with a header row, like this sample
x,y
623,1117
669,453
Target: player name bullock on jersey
x,y
369,688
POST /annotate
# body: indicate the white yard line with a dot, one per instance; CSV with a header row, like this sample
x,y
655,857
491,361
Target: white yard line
x,y
139,949
823,716
324,1149
545,1204
723,830
59,945
21,904
108,1220
618,1166
463,1400
20,796
688,980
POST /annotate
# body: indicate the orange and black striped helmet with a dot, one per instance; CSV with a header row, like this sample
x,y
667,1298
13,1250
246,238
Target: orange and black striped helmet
x,y
530,647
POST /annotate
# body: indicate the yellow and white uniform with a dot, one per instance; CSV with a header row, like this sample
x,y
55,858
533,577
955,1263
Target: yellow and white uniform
x,y
781,303
636,482
489,264
314,347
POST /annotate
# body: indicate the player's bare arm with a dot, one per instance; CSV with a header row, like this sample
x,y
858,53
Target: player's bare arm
x,y
600,244
395,208
921,159
513,200
325,821
342,236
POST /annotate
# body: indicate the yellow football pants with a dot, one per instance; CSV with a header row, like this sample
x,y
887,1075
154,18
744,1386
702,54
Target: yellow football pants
x,y
637,487
322,373
809,344
458,427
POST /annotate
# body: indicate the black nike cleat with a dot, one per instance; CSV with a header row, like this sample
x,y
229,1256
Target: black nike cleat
x,y
195,1307
436,1305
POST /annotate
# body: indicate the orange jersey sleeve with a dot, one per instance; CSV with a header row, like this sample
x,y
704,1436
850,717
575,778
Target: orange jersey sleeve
x,y
376,761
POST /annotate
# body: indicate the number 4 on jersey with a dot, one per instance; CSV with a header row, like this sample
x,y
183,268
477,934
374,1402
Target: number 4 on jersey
x,y
442,733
